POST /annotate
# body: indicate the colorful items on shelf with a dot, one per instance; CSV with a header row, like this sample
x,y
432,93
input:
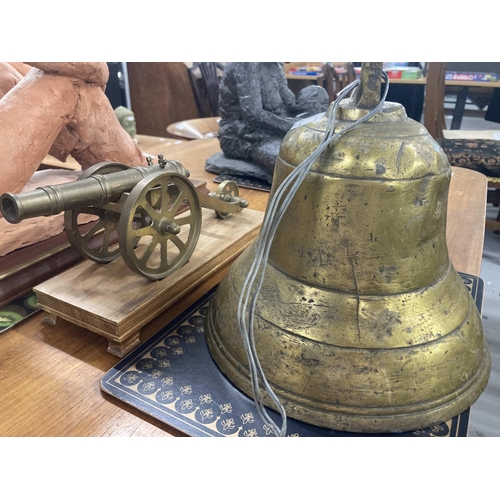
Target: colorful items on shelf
x,y
303,68
467,76
404,73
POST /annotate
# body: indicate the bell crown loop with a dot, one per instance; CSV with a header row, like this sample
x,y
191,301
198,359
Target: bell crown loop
x,y
367,95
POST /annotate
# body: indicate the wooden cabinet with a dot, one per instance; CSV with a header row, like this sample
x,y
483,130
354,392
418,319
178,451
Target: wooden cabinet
x,y
160,94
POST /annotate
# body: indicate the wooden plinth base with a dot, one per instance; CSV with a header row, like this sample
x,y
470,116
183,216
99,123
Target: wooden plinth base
x,y
113,301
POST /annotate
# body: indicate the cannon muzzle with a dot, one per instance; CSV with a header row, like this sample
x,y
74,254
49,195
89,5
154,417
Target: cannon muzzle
x,y
94,190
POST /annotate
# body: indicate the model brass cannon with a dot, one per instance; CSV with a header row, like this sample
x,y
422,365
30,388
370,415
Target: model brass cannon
x,y
151,216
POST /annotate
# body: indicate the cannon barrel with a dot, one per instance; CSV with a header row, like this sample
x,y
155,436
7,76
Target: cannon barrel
x,y
95,190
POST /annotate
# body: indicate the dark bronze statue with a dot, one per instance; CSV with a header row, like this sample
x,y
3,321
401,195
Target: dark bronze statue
x,y
257,109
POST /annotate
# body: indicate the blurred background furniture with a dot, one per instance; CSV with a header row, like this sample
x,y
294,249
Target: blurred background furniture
x,y
205,79
333,76
336,77
310,74
117,85
198,128
477,151
163,94
482,94
160,94
434,120
409,93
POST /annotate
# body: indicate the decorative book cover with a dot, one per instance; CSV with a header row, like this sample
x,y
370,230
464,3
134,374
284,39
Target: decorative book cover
x,y
173,378
467,76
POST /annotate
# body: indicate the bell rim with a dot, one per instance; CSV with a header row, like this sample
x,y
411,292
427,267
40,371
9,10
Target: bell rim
x,y
367,420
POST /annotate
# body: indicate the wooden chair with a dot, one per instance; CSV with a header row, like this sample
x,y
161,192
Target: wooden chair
x,y
493,198
482,155
434,118
329,80
342,80
205,79
198,128
335,81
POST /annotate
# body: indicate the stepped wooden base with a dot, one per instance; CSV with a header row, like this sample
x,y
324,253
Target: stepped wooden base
x,y
113,301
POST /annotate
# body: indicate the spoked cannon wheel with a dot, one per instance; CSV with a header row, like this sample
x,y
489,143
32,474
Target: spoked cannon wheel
x,y
82,238
225,192
160,225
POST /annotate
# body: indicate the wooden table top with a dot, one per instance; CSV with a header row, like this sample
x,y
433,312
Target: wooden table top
x,y
291,76
491,135
149,145
453,83
50,375
415,81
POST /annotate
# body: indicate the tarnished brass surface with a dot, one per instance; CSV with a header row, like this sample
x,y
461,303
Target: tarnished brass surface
x,y
362,324
154,212
151,219
107,223
93,188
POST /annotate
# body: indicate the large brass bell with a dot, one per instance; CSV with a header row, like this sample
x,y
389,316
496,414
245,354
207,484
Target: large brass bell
x,y
362,323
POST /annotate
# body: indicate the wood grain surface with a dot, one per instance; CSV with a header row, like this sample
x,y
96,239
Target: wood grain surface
x,y
160,94
116,303
466,220
198,128
149,146
50,375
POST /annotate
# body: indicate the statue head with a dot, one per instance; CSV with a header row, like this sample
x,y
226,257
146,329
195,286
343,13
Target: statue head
x,y
312,99
127,120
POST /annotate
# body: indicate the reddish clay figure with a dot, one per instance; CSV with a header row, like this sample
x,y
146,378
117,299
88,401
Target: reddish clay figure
x,y
22,68
9,77
59,108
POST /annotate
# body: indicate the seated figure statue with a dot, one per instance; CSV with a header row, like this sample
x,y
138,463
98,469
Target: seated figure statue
x,y
257,109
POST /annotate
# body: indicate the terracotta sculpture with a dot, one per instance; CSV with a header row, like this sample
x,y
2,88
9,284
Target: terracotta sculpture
x,y
59,108
9,77
257,109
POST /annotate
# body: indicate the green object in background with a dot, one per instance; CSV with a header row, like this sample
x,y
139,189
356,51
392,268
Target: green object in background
x,y
31,301
411,74
126,118
8,318
18,310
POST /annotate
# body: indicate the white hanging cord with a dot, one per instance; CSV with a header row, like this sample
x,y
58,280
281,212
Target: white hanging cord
x,y
274,213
